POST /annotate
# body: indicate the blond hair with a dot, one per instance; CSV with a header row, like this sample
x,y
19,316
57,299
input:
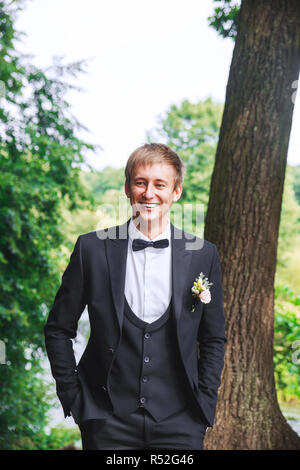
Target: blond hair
x,y
151,153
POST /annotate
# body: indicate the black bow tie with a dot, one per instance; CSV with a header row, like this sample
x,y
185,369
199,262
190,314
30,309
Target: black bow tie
x,y
139,244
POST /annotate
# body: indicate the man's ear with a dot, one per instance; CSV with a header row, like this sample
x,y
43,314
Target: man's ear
x,y
177,193
127,191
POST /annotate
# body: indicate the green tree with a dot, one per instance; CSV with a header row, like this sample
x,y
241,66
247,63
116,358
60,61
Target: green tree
x,y
225,17
296,173
106,180
286,335
289,229
40,156
113,207
191,129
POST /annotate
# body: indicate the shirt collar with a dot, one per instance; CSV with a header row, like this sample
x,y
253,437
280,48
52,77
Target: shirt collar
x,y
133,232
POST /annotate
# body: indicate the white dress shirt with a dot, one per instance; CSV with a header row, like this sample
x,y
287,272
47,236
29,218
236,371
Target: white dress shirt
x,y
148,281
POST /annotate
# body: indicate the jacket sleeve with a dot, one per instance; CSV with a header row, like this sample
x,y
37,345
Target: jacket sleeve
x,y
61,327
212,339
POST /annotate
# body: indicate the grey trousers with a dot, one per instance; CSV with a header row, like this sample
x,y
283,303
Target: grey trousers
x,y
139,430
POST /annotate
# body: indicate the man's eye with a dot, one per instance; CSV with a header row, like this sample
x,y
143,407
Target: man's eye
x,y
160,185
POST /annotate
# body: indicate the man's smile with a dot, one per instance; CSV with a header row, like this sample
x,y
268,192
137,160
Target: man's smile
x,y
149,205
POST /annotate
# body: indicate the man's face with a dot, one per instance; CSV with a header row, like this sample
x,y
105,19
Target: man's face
x,y
152,191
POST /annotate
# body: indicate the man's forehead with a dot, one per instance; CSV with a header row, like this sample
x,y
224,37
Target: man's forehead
x,y
154,169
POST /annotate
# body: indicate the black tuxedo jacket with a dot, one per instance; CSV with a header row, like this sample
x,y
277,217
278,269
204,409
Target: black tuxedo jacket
x,y
95,276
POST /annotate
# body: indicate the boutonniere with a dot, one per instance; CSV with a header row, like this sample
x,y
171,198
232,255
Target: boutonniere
x,y
200,290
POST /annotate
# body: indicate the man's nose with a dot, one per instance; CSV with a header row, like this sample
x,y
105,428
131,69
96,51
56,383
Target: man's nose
x,y
149,192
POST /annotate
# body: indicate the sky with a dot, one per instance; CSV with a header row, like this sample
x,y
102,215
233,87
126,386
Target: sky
x,y
142,58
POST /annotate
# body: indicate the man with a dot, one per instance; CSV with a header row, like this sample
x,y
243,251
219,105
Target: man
x,y
140,383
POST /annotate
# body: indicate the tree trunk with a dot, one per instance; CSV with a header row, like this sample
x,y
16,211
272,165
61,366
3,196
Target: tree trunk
x,y
243,220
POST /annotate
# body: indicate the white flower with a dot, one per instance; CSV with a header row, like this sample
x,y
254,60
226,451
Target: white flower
x,y
200,290
205,296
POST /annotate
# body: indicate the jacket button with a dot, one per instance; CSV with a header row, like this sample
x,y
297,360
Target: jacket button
x,y
146,359
142,400
104,388
111,350
145,378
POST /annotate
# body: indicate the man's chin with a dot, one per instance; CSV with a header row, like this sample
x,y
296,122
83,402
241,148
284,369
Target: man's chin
x,y
149,216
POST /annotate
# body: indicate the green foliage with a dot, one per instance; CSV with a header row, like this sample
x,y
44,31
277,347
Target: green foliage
x,y
289,230
40,155
56,439
288,268
109,179
225,18
287,332
108,189
296,182
192,130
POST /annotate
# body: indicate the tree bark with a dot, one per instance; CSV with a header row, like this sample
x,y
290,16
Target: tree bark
x,y
243,218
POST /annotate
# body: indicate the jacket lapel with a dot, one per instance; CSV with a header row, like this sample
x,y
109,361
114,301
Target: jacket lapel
x,y
116,251
181,259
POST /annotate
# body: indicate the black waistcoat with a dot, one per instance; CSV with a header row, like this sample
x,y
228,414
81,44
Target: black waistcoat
x,y
147,369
